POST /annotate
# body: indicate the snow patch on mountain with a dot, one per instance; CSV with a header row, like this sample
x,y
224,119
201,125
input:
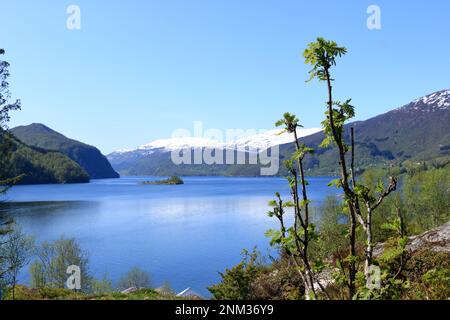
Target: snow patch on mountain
x,y
436,101
260,142
271,138
181,143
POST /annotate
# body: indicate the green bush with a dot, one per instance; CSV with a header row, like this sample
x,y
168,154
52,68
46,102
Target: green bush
x,y
236,283
429,275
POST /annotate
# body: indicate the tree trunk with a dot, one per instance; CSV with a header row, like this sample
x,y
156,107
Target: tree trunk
x,y
369,249
345,186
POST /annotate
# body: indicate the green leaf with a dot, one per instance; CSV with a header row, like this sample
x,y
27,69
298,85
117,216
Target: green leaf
x,y
273,203
325,143
336,183
303,203
297,155
288,204
275,236
279,123
380,187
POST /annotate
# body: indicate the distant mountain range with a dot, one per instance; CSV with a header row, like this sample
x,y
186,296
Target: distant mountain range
x,y
417,131
154,158
45,140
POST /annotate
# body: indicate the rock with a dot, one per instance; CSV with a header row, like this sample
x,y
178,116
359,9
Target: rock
x,y
325,278
191,294
437,240
129,290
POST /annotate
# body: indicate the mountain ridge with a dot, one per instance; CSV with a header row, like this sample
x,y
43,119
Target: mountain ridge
x,y
87,156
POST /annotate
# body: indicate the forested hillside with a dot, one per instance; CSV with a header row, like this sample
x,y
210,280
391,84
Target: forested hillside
x,y
88,157
37,166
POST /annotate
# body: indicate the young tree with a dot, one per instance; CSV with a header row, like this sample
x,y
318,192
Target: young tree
x,y
6,145
321,55
17,252
134,278
392,263
50,269
236,283
295,241
102,286
166,289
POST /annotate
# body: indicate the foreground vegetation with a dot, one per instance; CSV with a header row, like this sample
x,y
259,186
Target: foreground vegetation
x,y
49,273
340,248
26,293
405,274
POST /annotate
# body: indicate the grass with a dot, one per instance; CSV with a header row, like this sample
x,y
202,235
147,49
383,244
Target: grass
x,y
26,293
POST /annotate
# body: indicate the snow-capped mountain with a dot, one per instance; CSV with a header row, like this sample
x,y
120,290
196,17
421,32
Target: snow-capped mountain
x,y
154,158
174,144
257,142
271,138
433,102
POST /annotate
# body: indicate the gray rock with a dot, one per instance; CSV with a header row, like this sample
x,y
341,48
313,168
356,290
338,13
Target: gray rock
x,y
437,240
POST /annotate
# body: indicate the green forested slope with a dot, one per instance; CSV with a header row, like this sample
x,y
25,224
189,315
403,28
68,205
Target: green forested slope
x,y
88,157
38,166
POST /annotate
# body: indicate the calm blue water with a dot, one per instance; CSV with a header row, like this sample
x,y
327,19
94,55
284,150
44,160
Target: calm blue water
x,y
182,234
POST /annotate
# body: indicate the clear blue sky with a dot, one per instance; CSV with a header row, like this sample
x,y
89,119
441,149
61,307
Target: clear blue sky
x,y
137,70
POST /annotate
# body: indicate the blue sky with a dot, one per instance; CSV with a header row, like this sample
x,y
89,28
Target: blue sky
x,y
138,70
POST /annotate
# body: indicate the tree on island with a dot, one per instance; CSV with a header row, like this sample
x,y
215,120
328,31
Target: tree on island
x,y
173,180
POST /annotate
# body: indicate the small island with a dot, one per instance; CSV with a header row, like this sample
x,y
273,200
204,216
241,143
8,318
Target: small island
x,y
173,180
